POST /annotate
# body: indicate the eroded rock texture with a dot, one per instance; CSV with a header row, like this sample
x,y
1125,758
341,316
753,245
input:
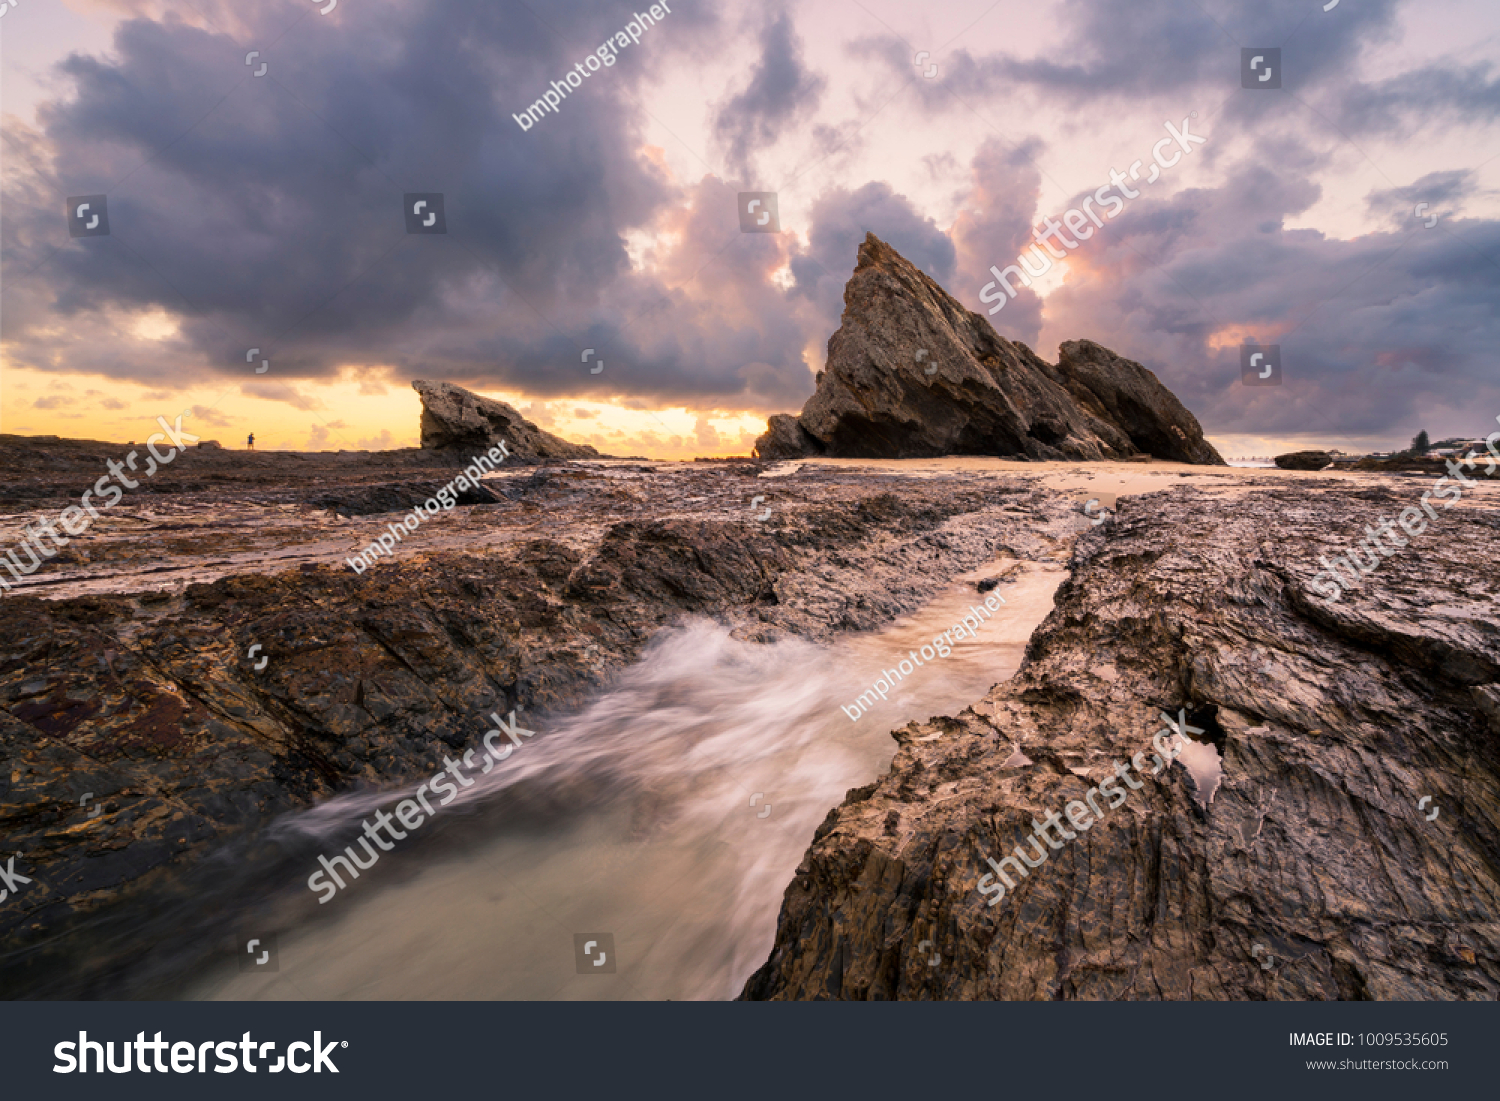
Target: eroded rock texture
x,y
911,373
139,732
455,418
1334,721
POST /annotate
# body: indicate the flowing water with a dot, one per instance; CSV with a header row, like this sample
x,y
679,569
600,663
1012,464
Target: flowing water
x,y
664,821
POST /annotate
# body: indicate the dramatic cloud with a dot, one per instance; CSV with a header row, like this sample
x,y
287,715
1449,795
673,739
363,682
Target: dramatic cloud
x,y
1375,332
993,229
1151,49
582,262
781,89
268,212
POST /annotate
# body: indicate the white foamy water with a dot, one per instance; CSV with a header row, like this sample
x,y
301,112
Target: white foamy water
x,y
644,817
1205,767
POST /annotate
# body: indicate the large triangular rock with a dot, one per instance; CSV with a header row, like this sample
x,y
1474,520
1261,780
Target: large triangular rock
x,y
912,374
457,419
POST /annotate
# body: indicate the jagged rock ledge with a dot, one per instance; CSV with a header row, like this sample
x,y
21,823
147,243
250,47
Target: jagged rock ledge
x,y
1333,721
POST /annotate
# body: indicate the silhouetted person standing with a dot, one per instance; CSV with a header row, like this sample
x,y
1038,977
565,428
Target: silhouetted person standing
x,y
252,441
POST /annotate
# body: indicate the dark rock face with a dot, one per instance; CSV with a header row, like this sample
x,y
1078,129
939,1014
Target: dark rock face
x,y
1304,460
395,497
1403,464
455,418
785,438
1314,872
1122,392
911,373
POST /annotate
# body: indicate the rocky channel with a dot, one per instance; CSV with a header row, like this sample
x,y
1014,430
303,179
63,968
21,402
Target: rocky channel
x,y
142,738
204,660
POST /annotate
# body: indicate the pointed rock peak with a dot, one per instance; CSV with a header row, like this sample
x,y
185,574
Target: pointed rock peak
x,y
874,253
876,258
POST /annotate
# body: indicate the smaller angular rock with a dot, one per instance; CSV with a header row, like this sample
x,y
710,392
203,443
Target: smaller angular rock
x,y
456,419
1304,460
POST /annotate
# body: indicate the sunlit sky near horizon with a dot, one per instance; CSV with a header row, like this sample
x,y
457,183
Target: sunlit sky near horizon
x,y
267,213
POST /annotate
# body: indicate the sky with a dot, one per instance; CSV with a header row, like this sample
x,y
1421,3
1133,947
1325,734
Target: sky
x,y
259,274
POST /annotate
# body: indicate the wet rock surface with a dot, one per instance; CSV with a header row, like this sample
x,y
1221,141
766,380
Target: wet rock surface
x,y
911,373
204,660
395,497
147,718
1315,871
210,513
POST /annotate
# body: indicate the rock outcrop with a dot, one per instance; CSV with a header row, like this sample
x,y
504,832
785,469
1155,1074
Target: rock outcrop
x,y
1304,460
911,373
456,419
1311,869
